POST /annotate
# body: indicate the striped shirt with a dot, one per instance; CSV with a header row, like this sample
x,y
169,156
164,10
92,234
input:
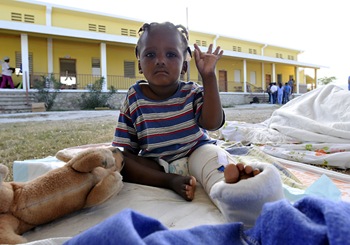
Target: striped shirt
x,y
166,129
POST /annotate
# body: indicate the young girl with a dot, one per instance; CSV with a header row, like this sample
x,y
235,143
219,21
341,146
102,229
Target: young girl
x,y
163,120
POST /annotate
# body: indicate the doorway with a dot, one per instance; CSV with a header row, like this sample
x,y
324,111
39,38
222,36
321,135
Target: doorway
x,y
222,81
267,79
68,73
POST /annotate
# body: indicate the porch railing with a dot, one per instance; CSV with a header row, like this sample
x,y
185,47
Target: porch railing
x,y
84,82
239,87
81,81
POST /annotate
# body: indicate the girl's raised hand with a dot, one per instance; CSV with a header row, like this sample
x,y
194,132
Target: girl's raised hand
x,y
206,62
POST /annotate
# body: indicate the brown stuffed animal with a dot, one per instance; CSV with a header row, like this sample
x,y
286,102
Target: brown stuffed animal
x,y
88,179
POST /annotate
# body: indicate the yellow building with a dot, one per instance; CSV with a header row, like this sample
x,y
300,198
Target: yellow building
x,y
78,47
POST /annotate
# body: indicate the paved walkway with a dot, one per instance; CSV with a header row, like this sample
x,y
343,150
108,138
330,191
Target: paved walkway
x,y
56,115
72,115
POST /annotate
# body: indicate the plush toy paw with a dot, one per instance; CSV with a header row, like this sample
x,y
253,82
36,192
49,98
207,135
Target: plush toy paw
x,y
90,159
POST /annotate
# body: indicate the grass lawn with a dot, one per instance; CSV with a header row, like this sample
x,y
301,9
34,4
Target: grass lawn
x,y
34,140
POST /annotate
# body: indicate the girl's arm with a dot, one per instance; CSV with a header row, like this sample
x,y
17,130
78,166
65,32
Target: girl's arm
x,y
212,114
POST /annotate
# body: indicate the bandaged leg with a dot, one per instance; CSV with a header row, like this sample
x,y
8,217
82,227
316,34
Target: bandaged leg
x,y
241,201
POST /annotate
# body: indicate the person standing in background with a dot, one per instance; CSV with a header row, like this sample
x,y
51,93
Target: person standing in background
x,y
286,93
291,84
268,91
279,93
349,83
6,73
273,91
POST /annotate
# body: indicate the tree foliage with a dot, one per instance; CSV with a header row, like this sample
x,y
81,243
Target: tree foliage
x,y
326,80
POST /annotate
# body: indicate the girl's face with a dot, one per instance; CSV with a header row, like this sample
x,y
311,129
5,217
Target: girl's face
x,y
162,56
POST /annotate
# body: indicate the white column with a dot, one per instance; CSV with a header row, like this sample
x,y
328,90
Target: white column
x,y
297,78
49,56
245,75
273,72
48,15
103,61
25,61
263,82
315,70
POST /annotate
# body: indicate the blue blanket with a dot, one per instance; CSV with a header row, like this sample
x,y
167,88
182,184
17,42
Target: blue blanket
x,y
310,220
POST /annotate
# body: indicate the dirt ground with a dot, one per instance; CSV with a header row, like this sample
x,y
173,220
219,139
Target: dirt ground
x,y
250,113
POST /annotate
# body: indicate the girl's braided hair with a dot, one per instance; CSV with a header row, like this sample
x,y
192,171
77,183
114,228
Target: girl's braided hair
x,y
180,28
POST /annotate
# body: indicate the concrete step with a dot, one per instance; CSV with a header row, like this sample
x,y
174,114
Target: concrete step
x,y
263,97
19,106
16,102
15,96
13,111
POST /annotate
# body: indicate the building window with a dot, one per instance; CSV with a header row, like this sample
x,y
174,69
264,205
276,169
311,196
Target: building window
x,y
92,27
124,32
95,63
278,55
96,66
279,78
101,28
237,76
129,69
28,18
237,48
18,61
252,51
128,32
16,16
253,77
290,57
201,43
132,33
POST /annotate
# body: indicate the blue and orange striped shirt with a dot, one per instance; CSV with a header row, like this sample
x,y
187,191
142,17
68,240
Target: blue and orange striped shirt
x,y
166,129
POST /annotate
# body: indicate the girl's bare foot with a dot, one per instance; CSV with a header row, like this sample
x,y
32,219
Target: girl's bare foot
x,y
234,173
184,186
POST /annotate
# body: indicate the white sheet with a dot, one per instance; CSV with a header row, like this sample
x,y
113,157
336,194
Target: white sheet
x,y
321,115
313,128
162,204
